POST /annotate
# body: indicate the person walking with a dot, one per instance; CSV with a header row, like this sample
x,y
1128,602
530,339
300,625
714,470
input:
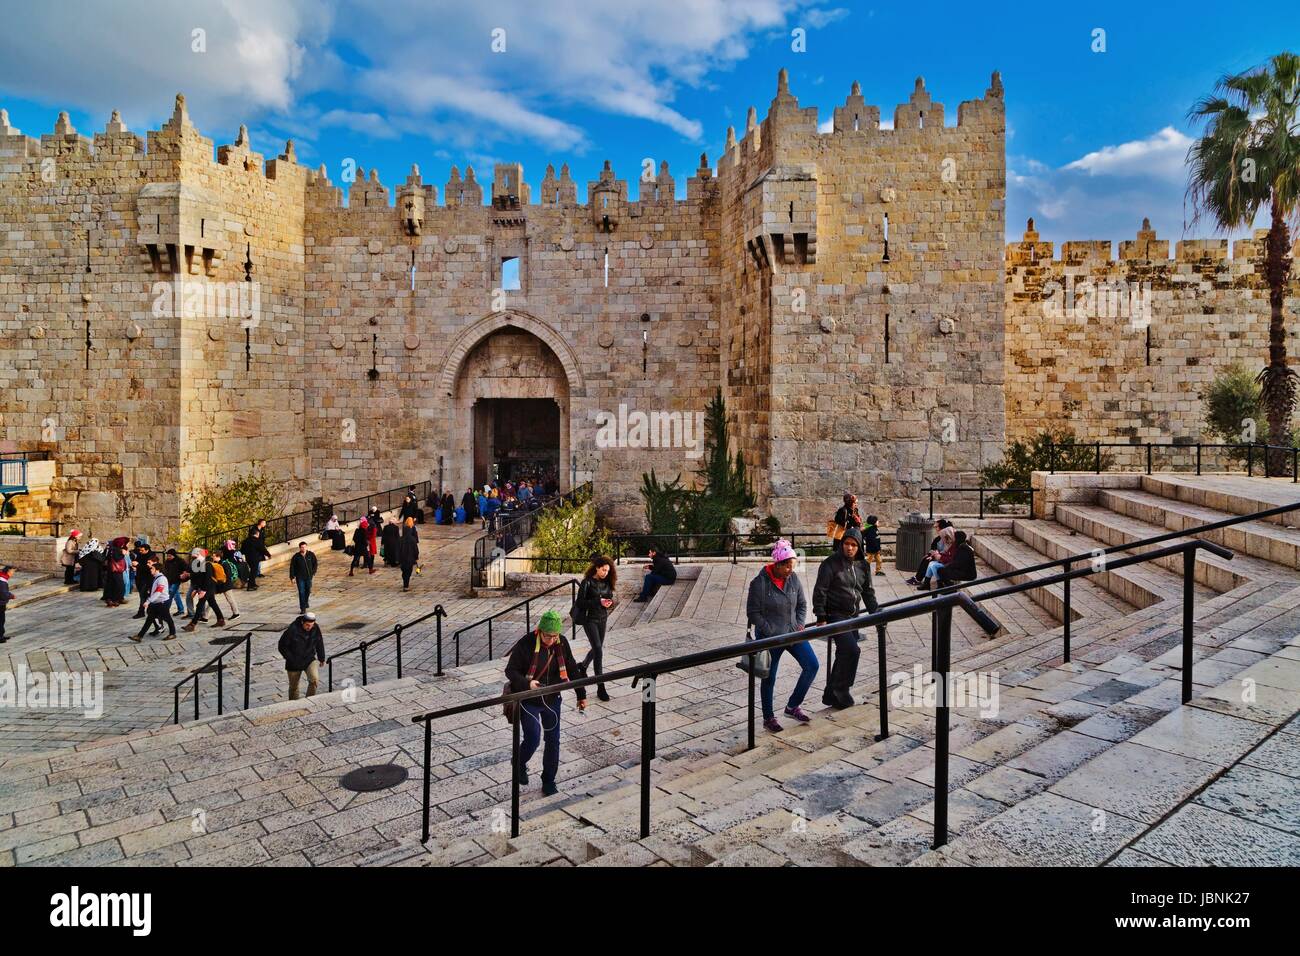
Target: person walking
x,y
158,604
303,648
361,548
659,572
389,538
224,576
843,587
469,502
68,556
776,605
201,590
408,551
140,572
591,610
255,552
302,568
173,568
374,524
410,507
116,566
871,543
6,596
846,517
541,659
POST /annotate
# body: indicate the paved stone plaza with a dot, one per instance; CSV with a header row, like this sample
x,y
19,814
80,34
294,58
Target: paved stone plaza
x,y
1088,763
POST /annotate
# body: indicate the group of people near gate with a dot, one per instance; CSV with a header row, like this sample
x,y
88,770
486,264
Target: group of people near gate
x,y
776,604
122,568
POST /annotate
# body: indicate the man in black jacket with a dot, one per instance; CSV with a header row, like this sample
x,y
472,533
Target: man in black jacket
x,y
255,552
659,571
302,568
303,648
843,588
962,565
539,659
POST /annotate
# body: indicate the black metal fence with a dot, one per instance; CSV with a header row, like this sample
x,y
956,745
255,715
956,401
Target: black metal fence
x,y
1198,457
217,666
508,531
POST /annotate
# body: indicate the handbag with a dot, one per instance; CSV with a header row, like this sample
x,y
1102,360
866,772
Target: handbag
x,y
762,661
577,611
510,708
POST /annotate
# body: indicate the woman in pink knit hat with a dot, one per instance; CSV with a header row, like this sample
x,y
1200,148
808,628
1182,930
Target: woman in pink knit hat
x,y
777,605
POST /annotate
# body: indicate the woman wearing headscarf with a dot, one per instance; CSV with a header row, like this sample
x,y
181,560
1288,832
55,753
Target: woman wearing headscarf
x,y
390,536
334,531
68,556
448,508
361,548
91,556
408,551
115,583
470,504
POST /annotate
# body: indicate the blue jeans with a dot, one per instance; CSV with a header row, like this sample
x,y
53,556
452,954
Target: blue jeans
x,y
174,595
932,570
304,592
806,658
538,721
653,582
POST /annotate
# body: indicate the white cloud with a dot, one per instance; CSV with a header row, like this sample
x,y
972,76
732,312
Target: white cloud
x,y
1161,155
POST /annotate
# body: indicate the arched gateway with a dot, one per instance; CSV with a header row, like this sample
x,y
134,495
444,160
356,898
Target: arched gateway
x,y
510,381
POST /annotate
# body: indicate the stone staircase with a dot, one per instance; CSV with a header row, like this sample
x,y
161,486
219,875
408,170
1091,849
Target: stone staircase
x,y
1086,763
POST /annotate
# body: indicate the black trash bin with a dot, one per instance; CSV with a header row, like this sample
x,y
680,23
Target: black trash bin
x,y
911,542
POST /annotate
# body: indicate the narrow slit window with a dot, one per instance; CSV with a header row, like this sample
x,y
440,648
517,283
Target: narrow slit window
x,y
607,268
510,274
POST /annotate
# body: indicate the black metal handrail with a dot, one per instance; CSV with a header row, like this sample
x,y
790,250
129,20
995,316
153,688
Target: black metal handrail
x,y
515,531
731,544
983,490
395,632
24,523
247,642
526,604
1198,447
302,523
941,606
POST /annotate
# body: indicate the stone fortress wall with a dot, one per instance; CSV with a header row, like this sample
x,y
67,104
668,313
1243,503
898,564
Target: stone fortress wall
x,y
848,291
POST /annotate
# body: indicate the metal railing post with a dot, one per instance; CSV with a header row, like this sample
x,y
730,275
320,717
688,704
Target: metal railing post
x,y
221,670
1198,458
248,664
981,502
647,748
176,704
1097,463
428,753
1250,460
528,617
329,674
1189,612
1051,458
931,491
363,663
1148,458
881,683
438,614
1066,616
397,631
489,638
943,627
752,682
196,695
515,769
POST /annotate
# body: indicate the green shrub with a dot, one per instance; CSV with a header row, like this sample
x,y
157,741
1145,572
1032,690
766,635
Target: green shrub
x,y
570,530
231,507
1048,449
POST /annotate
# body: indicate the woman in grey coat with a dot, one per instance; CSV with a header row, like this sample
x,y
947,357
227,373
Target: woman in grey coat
x,y
777,605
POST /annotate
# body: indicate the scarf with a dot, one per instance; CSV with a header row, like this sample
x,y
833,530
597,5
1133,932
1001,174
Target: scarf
x,y
535,672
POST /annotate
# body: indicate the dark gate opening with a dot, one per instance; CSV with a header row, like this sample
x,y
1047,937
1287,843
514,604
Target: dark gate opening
x,y
516,438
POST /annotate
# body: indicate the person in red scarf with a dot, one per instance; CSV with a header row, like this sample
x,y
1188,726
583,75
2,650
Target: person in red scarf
x,y
539,659
777,605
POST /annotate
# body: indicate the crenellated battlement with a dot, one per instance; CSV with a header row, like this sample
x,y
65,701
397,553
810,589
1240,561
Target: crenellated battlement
x,y
1144,250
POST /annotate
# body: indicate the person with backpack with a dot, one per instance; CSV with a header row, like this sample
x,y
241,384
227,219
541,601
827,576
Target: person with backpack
x,y
843,588
139,560
302,568
591,610
540,659
303,648
776,605
202,590
846,517
158,605
871,543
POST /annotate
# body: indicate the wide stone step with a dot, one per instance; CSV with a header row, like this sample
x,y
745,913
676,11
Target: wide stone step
x,y
1005,553
1117,530
1266,540
1229,494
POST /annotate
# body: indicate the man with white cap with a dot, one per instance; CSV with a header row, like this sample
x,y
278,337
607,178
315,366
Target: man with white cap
x,y
303,649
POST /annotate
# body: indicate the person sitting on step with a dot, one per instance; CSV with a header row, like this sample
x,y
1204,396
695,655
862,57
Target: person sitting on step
x,y
659,571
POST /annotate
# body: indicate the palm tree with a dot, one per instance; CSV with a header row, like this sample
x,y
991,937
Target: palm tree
x,y
1249,158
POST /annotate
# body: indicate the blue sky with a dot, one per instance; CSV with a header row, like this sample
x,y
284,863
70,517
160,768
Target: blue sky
x,y
1096,140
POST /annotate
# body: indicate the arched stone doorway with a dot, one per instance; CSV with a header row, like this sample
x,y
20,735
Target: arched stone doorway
x,y
510,395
